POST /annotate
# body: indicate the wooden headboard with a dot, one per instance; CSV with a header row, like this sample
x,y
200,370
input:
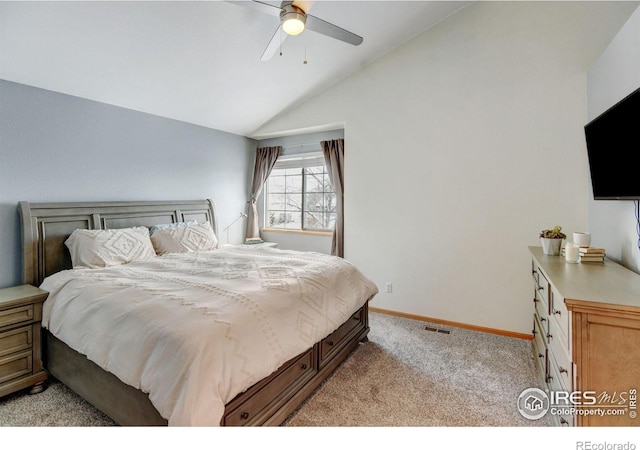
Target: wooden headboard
x,y
45,227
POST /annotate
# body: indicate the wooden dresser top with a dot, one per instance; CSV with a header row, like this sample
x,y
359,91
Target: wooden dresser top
x,y
609,284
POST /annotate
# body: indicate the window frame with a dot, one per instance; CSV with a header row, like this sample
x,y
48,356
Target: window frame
x,y
314,159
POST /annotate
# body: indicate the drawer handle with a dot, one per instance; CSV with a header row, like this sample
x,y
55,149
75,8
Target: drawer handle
x,y
549,336
541,288
543,319
535,300
549,378
563,370
244,415
555,311
330,343
563,421
534,332
540,355
303,366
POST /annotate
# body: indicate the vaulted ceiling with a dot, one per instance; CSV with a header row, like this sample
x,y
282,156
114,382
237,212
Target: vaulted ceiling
x,y
197,62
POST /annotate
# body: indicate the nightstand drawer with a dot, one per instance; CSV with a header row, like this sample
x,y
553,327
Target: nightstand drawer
x,y
16,365
16,340
16,315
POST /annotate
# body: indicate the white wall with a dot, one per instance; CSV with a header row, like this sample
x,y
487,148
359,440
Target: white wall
x,y
613,76
59,148
460,146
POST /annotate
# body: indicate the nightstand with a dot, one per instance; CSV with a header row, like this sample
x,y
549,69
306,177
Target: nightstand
x,y
20,339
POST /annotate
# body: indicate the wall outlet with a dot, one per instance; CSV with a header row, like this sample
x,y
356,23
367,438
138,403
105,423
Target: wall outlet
x,y
389,288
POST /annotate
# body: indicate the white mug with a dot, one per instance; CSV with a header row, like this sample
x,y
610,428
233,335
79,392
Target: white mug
x,y
582,238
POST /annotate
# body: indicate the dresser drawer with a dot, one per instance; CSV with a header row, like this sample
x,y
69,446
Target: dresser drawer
x,y
555,383
336,340
16,340
540,357
559,353
559,313
13,316
284,381
542,312
540,283
16,365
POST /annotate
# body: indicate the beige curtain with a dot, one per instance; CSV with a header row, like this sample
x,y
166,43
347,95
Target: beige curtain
x,y
265,159
334,160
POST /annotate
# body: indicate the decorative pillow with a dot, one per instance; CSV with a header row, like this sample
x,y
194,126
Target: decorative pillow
x,y
190,238
162,226
103,248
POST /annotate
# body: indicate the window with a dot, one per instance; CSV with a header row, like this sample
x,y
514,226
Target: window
x,y
299,195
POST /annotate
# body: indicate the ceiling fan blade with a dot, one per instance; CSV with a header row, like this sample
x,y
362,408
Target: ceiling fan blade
x,y
274,44
331,30
259,6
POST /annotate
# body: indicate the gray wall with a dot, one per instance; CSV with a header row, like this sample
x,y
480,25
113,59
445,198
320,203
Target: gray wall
x,y
55,147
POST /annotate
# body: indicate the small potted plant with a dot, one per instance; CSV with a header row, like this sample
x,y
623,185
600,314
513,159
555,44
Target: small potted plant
x,y
552,240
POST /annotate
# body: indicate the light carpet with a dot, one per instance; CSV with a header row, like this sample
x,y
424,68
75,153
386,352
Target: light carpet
x,y
403,376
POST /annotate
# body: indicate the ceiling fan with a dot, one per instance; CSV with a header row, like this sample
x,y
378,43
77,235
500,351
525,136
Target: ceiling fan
x,y
294,19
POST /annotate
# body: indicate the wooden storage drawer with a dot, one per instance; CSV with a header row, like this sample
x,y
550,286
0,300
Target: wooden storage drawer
x,y
16,340
16,365
541,311
285,380
555,384
541,283
560,314
336,340
12,316
559,352
540,356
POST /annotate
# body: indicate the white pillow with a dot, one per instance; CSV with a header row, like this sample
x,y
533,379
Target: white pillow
x,y
191,238
103,248
171,225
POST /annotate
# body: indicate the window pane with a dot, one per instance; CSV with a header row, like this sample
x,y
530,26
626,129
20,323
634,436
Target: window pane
x,y
294,171
275,201
276,219
330,202
294,202
314,221
276,184
286,190
314,201
294,183
328,187
294,221
314,182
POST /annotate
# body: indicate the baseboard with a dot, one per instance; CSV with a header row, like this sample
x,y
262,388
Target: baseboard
x,y
467,326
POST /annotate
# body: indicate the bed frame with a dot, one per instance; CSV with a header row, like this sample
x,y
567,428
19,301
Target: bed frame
x,y
45,227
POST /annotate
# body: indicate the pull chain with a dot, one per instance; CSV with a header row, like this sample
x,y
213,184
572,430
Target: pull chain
x,y
305,48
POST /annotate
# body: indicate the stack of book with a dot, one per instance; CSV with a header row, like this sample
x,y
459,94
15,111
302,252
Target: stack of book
x,y
592,254
253,241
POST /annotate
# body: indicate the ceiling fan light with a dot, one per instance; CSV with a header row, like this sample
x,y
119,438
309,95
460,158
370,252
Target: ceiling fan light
x,y
293,23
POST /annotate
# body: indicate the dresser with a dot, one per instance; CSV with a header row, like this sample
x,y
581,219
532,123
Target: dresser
x,y
586,339
20,339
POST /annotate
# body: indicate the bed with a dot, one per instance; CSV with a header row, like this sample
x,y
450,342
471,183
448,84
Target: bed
x,y
162,382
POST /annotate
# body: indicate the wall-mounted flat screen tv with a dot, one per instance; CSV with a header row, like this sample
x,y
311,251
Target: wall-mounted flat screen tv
x,y
613,148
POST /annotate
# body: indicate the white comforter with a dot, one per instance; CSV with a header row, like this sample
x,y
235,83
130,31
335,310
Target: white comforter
x,y
193,330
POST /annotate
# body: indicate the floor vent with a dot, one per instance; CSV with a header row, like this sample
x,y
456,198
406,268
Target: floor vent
x,y
437,330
